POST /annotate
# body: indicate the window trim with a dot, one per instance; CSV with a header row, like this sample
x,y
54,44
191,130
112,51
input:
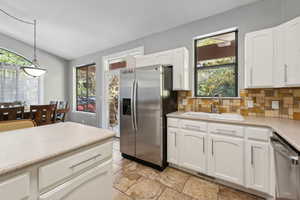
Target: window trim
x,y
76,88
195,39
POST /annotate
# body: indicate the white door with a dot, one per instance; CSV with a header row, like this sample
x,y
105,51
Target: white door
x,y
193,150
292,52
226,158
111,104
259,59
172,146
94,184
257,166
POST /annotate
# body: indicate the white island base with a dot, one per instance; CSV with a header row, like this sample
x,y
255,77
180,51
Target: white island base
x,y
67,173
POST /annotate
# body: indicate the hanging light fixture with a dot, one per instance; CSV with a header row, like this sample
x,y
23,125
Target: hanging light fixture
x,y
34,70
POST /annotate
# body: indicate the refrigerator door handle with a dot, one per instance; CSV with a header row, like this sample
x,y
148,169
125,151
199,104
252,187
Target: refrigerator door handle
x,y
135,105
132,105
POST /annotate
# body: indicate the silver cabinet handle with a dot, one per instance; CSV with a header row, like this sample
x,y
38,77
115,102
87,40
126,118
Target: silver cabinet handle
x,y
203,145
252,160
85,161
285,72
212,147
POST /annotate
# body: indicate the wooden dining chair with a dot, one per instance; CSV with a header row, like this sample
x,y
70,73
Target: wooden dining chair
x,y
16,124
43,114
12,113
62,110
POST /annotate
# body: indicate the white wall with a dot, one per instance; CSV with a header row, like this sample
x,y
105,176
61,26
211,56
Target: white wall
x,y
55,81
259,15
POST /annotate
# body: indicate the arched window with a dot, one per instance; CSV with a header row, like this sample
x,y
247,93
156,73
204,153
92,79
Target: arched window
x,y
15,85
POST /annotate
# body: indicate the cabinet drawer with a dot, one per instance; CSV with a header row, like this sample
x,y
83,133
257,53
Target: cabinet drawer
x,y
15,188
226,129
194,125
57,171
173,122
254,133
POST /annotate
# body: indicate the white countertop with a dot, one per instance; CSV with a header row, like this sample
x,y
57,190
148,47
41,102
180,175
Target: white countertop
x,y
286,128
25,147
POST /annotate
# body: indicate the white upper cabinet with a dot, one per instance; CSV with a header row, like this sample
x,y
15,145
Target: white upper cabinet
x,y
291,41
178,58
259,59
272,56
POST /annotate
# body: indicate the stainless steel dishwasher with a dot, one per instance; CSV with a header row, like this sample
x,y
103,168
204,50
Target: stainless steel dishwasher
x,y
287,169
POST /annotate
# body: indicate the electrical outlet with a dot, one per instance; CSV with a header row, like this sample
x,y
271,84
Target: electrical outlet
x,y
250,104
184,102
275,105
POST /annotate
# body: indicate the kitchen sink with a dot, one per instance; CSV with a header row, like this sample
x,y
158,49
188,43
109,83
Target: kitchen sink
x,y
223,116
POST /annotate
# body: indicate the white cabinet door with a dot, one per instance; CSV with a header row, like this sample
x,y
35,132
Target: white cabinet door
x,y
226,158
181,69
259,59
292,52
146,60
172,146
17,188
94,184
258,166
193,150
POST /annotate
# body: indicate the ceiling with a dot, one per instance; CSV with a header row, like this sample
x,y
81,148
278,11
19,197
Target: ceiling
x,y
74,28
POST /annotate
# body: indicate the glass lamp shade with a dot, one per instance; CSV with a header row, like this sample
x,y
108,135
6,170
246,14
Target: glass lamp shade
x,y
34,70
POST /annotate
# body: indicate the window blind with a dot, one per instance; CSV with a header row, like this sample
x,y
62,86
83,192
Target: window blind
x,y
15,85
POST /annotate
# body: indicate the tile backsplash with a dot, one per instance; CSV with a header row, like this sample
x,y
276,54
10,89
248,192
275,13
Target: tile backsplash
x,y
288,98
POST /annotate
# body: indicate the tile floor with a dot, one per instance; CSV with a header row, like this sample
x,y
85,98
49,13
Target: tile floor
x,y
133,181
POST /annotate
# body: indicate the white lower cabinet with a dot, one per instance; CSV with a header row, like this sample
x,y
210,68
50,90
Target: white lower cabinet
x,y
16,188
236,154
172,146
89,185
193,150
257,165
226,158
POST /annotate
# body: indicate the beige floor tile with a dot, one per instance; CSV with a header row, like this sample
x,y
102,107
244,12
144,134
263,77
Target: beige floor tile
x,y
201,189
173,178
170,194
122,181
226,193
145,189
123,162
142,170
117,195
116,168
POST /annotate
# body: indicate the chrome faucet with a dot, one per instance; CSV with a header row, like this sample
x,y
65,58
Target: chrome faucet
x,y
215,105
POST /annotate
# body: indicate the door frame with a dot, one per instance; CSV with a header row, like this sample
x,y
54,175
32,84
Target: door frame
x,y
139,51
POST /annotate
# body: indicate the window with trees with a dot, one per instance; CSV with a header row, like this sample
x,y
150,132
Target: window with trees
x,y
86,88
216,65
15,85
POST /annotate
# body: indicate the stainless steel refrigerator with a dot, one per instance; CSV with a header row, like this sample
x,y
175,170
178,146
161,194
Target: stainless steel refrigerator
x,y
146,97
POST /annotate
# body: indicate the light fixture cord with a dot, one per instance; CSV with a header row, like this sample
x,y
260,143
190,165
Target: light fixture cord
x,y
34,42
25,22
16,18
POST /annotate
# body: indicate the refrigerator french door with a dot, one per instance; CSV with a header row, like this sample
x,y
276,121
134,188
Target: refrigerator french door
x,y
146,97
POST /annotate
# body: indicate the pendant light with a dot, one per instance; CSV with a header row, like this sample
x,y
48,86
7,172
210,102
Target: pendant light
x,y
34,70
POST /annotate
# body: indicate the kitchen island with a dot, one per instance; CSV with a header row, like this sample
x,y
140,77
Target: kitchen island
x,y
59,162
